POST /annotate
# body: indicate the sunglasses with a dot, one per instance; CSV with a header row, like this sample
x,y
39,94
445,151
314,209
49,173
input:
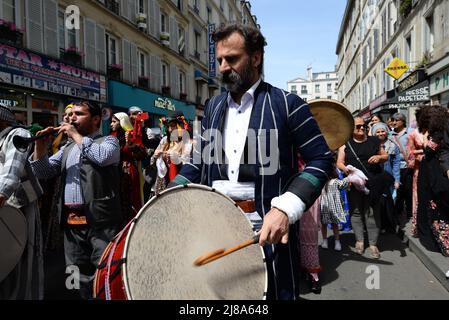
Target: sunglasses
x,y
360,126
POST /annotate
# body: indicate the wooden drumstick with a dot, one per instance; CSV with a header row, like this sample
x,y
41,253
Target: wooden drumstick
x,y
219,253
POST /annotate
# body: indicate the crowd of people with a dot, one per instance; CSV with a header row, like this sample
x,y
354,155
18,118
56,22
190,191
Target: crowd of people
x,y
94,185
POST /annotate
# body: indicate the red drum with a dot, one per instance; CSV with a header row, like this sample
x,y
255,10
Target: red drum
x,y
152,257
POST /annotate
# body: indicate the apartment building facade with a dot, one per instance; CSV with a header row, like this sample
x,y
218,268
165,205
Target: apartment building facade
x,y
372,34
316,85
152,54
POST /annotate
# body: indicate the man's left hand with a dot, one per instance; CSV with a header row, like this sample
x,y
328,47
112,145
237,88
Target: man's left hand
x,y
71,132
275,228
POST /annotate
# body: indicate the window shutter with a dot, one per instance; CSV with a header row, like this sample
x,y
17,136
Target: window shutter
x,y
157,20
186,41
51,27
173,88
90,59
176,90
124,8
147,64
132,10
101,48
173,31
34,25
126,60
155,73
189,86
151,18
134,64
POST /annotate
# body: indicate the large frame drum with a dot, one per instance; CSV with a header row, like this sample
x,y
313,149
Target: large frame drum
x,y
152,258
13,238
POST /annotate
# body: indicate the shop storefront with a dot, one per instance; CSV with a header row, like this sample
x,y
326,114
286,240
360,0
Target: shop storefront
x,y
439,82
38,87
410,93
123,96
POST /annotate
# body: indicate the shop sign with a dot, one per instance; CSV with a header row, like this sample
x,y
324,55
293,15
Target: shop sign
x,y
27,69
9,103
396,68
418,93
439,83
414,78
164,104
212,67
13,100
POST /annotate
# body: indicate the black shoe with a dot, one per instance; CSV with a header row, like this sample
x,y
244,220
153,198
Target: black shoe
x,y
314,285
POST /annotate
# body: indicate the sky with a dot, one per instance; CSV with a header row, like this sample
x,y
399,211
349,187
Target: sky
x,y
299,33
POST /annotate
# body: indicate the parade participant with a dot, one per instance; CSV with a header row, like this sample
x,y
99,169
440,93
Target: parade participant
x,y
415,152
365,154
403,205
173,151
374,119
392,166
130,153
254,119
20,189
89,206
433,185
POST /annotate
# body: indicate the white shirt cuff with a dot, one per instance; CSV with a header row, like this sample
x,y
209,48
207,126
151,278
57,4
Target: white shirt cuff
x,y
291,204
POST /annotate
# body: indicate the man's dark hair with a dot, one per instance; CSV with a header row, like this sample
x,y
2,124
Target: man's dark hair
x,y
94,109
254,40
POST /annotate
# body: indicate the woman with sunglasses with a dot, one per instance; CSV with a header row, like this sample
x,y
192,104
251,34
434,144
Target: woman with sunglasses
x,y
364,153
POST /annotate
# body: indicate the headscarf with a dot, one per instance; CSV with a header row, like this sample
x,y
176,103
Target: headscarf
x,y
134,109
377,126
125,123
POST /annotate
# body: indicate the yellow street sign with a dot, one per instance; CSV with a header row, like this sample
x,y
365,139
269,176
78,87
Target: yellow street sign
x,y
396,68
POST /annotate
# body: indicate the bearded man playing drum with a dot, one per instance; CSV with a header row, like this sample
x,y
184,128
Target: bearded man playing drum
x,y
89,205
255,116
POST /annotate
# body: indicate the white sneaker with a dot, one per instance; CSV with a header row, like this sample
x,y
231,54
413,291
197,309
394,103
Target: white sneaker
x,y
337,246
324,244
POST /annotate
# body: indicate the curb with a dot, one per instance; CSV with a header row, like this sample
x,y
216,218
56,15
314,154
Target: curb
x,y
437,264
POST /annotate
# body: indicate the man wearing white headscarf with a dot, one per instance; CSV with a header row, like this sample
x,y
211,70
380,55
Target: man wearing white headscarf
x,y
20,189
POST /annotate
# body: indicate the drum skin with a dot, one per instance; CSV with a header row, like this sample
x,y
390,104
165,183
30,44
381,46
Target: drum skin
x,y
13,238
169,233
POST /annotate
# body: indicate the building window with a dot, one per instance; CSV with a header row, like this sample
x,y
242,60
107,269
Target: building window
x,y
9,10
164,22
142,65
196,6
428,34
181,40
317,88
197,44
179,4
209,15
141,6
293,89
329,97
222,5
112,49
408,49
165,79
182,82
68,38
327,75
329,87
303,89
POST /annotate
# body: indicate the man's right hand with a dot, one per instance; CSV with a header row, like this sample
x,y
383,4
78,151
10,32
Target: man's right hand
x,y
41,145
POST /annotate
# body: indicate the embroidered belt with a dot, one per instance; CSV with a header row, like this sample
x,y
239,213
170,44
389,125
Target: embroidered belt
x,y
75,216
247,206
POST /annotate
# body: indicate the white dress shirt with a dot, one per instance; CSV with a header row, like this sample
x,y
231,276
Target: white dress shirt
x,y
234,138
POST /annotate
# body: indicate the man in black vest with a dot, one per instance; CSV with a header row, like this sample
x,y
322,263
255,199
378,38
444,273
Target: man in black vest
x,y
89,206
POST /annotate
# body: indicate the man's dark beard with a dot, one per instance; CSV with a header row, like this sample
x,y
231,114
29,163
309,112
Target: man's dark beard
x,y
239,83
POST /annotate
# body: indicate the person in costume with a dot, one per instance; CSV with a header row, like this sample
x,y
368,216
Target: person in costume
x,y
173,150
130,154
20,189
247,149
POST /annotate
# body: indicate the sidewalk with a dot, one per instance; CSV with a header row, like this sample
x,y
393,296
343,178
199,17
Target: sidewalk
x,y
437,264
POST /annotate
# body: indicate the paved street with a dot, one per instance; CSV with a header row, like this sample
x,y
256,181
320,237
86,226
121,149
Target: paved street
x,y
401,274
